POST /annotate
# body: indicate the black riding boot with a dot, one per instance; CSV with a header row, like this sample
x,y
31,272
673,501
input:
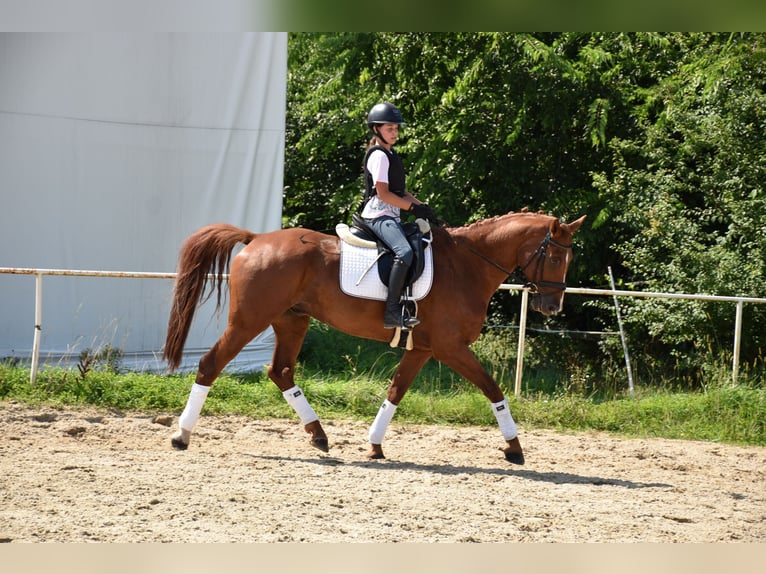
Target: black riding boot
x,y
393,317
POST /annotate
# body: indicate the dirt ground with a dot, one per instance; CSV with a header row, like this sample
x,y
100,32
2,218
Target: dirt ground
x,y
81,475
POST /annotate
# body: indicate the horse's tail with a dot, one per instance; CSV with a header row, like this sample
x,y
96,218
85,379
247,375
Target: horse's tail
x,y
206,251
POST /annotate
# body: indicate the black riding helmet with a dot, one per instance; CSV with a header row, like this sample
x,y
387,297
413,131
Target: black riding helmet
x,y
384,113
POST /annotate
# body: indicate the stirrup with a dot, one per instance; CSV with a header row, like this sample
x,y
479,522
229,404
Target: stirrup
x,y
403,320
405,324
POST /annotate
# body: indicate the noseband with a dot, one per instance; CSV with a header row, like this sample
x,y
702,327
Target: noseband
x,y
539,258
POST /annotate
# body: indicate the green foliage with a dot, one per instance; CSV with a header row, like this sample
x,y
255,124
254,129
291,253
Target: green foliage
x,y
694,206
658,137
722,412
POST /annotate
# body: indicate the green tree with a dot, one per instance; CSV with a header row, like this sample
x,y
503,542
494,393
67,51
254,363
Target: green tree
x,y
658,137
693,206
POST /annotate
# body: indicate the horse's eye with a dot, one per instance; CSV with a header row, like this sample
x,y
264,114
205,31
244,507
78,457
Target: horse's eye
x,y
556,260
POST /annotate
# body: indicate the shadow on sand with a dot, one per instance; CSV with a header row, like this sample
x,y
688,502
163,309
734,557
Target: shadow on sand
x,y
449,470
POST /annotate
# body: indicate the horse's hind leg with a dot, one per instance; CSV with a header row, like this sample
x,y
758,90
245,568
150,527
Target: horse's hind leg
x,y
408,368
290,331
211,364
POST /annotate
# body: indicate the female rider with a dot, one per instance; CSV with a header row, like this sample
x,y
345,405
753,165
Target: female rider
x,y
385,198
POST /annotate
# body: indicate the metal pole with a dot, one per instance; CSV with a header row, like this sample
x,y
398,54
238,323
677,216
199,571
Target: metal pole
x,y
522,331
622,335
38,327
737,341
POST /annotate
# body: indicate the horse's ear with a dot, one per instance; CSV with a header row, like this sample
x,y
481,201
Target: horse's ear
x,y
575,225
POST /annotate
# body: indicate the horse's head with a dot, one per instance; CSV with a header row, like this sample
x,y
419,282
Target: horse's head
x,y
546,266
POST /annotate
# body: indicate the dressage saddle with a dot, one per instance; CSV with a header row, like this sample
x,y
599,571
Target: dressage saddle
x,y
418,235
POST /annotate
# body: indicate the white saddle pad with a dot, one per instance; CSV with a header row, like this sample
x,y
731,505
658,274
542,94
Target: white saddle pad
x,y
359,274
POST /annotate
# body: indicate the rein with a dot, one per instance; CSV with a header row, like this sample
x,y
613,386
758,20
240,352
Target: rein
x,y
484,257
539,253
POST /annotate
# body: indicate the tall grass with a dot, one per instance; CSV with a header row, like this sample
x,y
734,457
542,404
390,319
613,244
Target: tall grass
x,y
347,378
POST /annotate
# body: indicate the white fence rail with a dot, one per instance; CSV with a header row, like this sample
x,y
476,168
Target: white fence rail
x,y
739,301
39,273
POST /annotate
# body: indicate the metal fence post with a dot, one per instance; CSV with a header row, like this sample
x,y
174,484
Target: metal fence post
x,y
737,342
522,331
622,335
38,327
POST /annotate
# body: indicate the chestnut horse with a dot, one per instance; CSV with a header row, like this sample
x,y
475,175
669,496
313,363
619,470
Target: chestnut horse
x,y
285,277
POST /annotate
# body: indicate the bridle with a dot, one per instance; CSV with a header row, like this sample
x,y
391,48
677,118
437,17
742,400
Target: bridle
x,y
538,257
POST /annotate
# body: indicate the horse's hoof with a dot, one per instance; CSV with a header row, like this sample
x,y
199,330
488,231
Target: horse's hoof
x,y
180,440
513,452
375,453
320,443
178,444
515,457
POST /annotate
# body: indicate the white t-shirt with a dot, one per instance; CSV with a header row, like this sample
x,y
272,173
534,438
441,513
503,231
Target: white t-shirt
x,y
377,165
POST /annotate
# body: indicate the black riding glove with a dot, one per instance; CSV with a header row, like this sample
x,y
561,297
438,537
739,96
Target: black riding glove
x,y
423,211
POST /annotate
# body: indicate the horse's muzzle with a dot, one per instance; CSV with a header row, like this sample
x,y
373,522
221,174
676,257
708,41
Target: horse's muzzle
x,y
547,303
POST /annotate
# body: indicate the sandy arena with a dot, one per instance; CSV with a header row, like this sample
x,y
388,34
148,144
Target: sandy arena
x,y
82,475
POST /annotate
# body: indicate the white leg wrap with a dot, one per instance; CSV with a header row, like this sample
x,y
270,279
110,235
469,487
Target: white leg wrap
x,y
194,404
296,399
380,424
505,420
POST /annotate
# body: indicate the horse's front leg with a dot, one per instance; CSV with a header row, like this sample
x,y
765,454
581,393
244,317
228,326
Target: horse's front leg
x,y
464,362
408,368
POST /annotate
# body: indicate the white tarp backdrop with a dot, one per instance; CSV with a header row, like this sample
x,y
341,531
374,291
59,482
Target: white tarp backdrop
x,y
113,149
